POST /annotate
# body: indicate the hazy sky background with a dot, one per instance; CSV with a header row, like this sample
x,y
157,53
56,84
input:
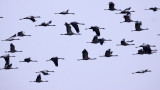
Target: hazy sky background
x,y
112,73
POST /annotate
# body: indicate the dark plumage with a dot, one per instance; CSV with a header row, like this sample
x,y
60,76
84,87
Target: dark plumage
x,y
65,12
55,60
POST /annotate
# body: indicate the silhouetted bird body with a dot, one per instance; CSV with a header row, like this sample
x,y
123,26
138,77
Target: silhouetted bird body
x,y
45,72
32,18
124,43
12,49
153,8
85,55
108,53
112,7
127,18
65,12
138,26
75,25
1,17
7,59
8,66
95,29
38,79
126,11
46,24
55,60
142,71
21,34
28,60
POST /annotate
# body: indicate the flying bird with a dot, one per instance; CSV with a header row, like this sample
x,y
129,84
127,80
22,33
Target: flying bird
x,y
125,11
45,72
108,53
1,17
45,24
21,34
7,59
153,8
85,55
124,43
28,60
12,49
38,79
65,12
142,71
95,29
75,25
112,7
127,18
138,26
55,60
9,66
32,18
69,30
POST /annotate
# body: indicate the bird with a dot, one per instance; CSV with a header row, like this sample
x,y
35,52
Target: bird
x,y
69,30
95,29
45,72
112,7
1,17
142,71
32,18
11,38
85,56
46,24
55,60
38,79
7,59
21,34
28,60
75,25
12,49
153,8
138,26
9,66
65,12
124,43
127,18
108,53
96,40
125,11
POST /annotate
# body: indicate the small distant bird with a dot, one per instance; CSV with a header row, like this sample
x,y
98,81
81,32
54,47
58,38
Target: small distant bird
x,y
45,72
28,60
75,25
108,53
1,17
12,49
126,11
112,7
9,66
124,43
21,34
95,29
45,24
85,55
55,60
138,26
95,40
65,12
142,71
153,8
10,39
69,30
7,59
32,18
127,18
38,79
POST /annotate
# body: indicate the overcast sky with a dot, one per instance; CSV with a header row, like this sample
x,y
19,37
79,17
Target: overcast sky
x,y
112,73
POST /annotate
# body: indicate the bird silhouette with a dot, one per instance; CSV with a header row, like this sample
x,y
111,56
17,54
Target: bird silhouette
x,y
108,53
38,79
138,26
1,17
142,71
127,18
12,49
153,8
45,72
32,18
28,60
112,7
69,30
125,11
44,24
85,55
8,66
75,25
7,59
21,34
95,29
55,60
124,43
65,12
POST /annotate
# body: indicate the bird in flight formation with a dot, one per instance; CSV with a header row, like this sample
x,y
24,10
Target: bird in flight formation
x,y
44,24
32,18
85,55
65,12
142,71
38,79
55,60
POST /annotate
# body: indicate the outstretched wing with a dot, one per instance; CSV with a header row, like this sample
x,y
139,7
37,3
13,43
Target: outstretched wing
x,y
75,25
